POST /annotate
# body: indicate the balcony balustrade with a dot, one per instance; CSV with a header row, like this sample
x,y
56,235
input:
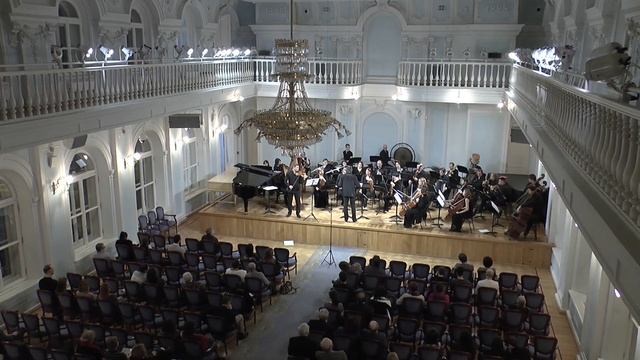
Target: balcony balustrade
x,y
601,136
454,73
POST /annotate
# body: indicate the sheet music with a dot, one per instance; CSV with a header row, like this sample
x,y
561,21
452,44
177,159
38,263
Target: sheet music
x,y
269,188
312,182
441,200
398,198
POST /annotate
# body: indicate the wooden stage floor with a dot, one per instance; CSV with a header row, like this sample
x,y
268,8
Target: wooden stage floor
x,y
376,233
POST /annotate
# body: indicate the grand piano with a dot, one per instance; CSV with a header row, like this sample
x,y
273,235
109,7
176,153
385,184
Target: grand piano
x,y
251,178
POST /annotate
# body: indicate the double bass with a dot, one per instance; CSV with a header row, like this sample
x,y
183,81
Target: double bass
x,y
412,203
457,204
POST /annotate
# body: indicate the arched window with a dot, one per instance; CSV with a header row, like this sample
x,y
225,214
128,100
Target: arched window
x,y
84,202
145,185
12,263
190,160
135,36
69,36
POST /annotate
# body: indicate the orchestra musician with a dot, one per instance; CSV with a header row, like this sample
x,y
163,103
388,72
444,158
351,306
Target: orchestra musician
x,y
359,171
507,190
293,181
536,203
464,210
418,173
453,177
320,193
277,164
396,176
421,199
477,179
474,163
384,154
304,162
531,180
266,163
346,153
367,187
349,185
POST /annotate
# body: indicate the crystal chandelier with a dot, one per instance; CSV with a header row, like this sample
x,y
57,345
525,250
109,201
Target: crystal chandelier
x,y
292,124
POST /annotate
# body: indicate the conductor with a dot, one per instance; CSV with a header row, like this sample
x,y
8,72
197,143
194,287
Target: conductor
x,y
349,184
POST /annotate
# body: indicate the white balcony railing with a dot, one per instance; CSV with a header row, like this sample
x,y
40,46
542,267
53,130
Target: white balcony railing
x,y
451,73
321,71
601,136
39,92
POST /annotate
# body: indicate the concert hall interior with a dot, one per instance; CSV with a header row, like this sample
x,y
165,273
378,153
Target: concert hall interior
x,y
195,179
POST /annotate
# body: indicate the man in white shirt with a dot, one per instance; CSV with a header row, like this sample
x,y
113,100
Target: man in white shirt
x,y
252,272
236,269
101,252
488,282
175,245
140,276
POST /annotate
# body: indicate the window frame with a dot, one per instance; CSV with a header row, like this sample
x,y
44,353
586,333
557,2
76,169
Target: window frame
x,y
67,22
79,178
132,34
190,184
143,186
19,242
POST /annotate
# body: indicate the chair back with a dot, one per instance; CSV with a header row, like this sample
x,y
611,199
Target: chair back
x,y
456,331
459,355
160,213
358,259
112,284
194,318
436,310
60,355
370,282
144,239
282,255
353,280
486,296
407,329
13,351
226,249
159,241
530,283
47,301
404,351
31,323
214,299
139,253
74,280
421,285
51,326
342,295
173,274
261,252
74,328
109,311
156,256
210,262
132,290
488,316
412,307
535,301
254,286
143,223
124,252
213,280
517,340
462,293
429,353
486,337
171,295
269,270
192,244
145,338
232,282
175,258
151,292
103,266
194,297
37,352
11,320
119,268
153,217
341,343
438,327
544,345
66,301
393,285
509,298
193,260
539,323
397,268
192,350
370,348
441,272
170,315
245,251
216,325
508,280
420,271
513,320
93,282
461,313
148,316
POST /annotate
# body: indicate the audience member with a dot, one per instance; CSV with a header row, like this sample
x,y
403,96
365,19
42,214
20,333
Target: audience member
x,y
140,275
462,257
252,272
48,282
431,338
439,295
187,282
189,334
124,239
139,352
459,278
232,321
326,351
87,345
83,290
341,283
301,346
112,351
101,252
174,245
488,282
374,267
208,236
373,332
236,269
380,303
356,268
487,263
153,277
412,292
320,325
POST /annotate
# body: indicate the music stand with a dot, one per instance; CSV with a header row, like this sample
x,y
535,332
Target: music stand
x,y
412,164
440,200
496,212
312,183
354,160
395,218
374,158
268,189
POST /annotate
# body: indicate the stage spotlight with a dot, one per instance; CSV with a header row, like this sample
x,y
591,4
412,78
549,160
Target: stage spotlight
x,y
128,53
89,53
204,52
189,53
136,156
106,52
247,52
236,52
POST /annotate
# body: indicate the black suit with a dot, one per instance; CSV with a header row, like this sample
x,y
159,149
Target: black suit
x,y
294,181
49,284
349,184
302,346
384,156
347,155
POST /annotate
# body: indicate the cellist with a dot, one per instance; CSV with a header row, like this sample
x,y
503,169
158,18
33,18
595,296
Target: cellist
x,y
417,213
462,210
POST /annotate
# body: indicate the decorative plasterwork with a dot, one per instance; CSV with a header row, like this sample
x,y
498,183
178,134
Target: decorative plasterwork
x,y
32,33
111,35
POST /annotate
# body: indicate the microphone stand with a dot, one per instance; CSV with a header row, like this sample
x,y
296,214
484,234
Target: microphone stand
x,y
312,215
329,259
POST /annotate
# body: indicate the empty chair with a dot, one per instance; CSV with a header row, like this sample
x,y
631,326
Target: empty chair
x,y
148,316
14,351
175,258
406,329
53,329
370,348
461,313
145,338
436,310
486,296
226,250
535,301
74,328
37,352
119,269
144,239
508,280
152,293
146,227
129,313
513,320
488,316
438,327
74,280
441,272
412,307
193,262
171,315
371,282
341,343
214,299
11,321
353,280
173,274
392,285
194,298
539,324
125,252
48,302
140,254
544,347
193,245
517,340
288,263
172,295
529,283
213,280
461,293
132,290
110,311
32,326
245,251
217,328
112,284
67,304
163,218
486,337
159,241
258,290
509,298
232,282
456,331
210,262
261,252
429,353
156,256
420,271
398,269
404,351
153,221
93,282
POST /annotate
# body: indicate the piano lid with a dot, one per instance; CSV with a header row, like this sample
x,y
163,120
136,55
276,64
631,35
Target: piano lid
x,y
252,175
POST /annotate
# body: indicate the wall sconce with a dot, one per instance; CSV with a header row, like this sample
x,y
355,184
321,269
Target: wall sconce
x,y
129,160
61,182
394,97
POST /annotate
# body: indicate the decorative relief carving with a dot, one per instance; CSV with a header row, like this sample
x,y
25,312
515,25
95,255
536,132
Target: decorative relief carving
x,y
113,36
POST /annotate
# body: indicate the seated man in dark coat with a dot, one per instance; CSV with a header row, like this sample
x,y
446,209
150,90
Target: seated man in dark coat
x,y
301,345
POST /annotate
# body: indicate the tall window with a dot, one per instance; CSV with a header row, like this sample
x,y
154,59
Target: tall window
x,y
190,160
84,203
11,256
135,36
143,168
69,35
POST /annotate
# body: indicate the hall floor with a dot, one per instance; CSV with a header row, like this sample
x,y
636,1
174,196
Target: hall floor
x,y
278,322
